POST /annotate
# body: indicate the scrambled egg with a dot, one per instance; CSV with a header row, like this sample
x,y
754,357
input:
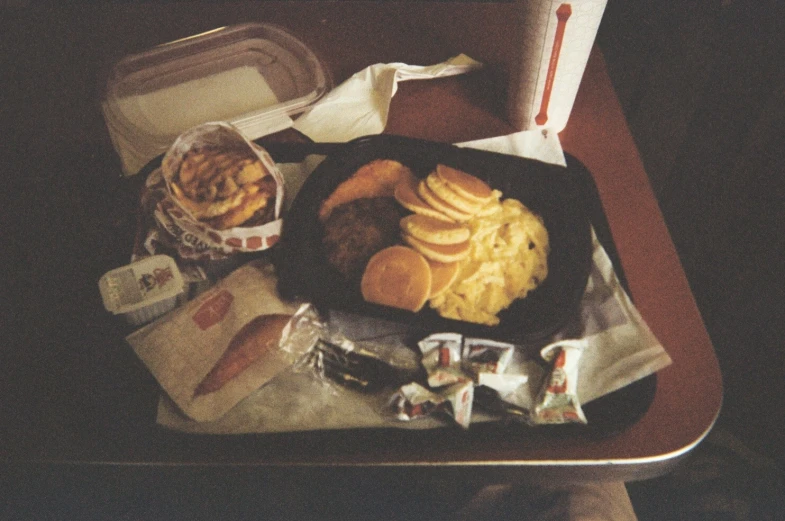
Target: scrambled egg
x,y
508,258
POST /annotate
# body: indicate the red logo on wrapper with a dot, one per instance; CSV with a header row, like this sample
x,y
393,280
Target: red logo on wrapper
x,y
234,242
253,243
162,276
213,310
558,382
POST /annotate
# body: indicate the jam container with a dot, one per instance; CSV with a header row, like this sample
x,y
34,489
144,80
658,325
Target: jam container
x,y
143,290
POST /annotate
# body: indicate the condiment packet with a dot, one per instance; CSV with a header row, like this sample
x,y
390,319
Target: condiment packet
x,y
414,401
195,238
461,398
441,358
558,399
486,356
455,364
182,348
143,290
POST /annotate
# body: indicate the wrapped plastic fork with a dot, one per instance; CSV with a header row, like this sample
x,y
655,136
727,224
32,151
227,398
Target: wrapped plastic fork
x,y
354,366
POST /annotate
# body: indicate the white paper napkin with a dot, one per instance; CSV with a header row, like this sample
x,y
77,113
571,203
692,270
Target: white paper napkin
x,y
359,106
533,144
621,349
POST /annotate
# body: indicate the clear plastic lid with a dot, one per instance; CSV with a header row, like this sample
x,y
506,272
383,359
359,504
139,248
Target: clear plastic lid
x,y
255,76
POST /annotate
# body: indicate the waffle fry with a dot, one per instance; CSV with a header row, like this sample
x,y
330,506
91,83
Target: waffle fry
x,y
223,188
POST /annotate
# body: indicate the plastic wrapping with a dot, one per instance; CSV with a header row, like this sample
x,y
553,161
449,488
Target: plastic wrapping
x,y
362,366
256,76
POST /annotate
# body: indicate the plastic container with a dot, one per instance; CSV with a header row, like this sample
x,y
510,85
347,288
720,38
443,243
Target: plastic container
x,y
255,76
143,290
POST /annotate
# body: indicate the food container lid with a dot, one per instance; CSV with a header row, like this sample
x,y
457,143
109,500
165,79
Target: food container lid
x,y
142,283
255,76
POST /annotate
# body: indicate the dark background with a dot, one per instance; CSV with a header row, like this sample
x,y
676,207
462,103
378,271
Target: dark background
x,y
703,88
702,85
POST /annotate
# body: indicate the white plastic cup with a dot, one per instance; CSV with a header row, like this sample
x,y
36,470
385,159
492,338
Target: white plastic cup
x,y
555,38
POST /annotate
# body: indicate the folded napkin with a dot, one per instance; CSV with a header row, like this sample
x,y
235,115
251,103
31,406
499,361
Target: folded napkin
x,y
619,347
360,105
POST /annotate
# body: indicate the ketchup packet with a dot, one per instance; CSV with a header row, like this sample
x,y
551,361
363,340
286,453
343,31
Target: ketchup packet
x,y
486,356
442,359
460,397
414,401
558,400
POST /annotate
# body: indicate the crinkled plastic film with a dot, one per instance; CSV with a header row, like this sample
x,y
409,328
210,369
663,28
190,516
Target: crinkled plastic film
x,y
335,360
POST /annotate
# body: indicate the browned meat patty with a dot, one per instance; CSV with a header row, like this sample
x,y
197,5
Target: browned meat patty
x,y
356,230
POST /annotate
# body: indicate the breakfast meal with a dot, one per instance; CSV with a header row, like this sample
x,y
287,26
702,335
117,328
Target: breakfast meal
x,y
457,246
225,188
249,344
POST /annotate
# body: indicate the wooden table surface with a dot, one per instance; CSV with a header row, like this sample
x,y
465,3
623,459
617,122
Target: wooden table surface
x,y
61,408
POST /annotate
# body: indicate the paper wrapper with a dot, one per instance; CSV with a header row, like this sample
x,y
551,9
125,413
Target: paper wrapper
x,y
182,347
553,43
195,239
620,348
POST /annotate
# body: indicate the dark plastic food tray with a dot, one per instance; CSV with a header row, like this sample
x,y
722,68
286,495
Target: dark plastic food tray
x,y
550,191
